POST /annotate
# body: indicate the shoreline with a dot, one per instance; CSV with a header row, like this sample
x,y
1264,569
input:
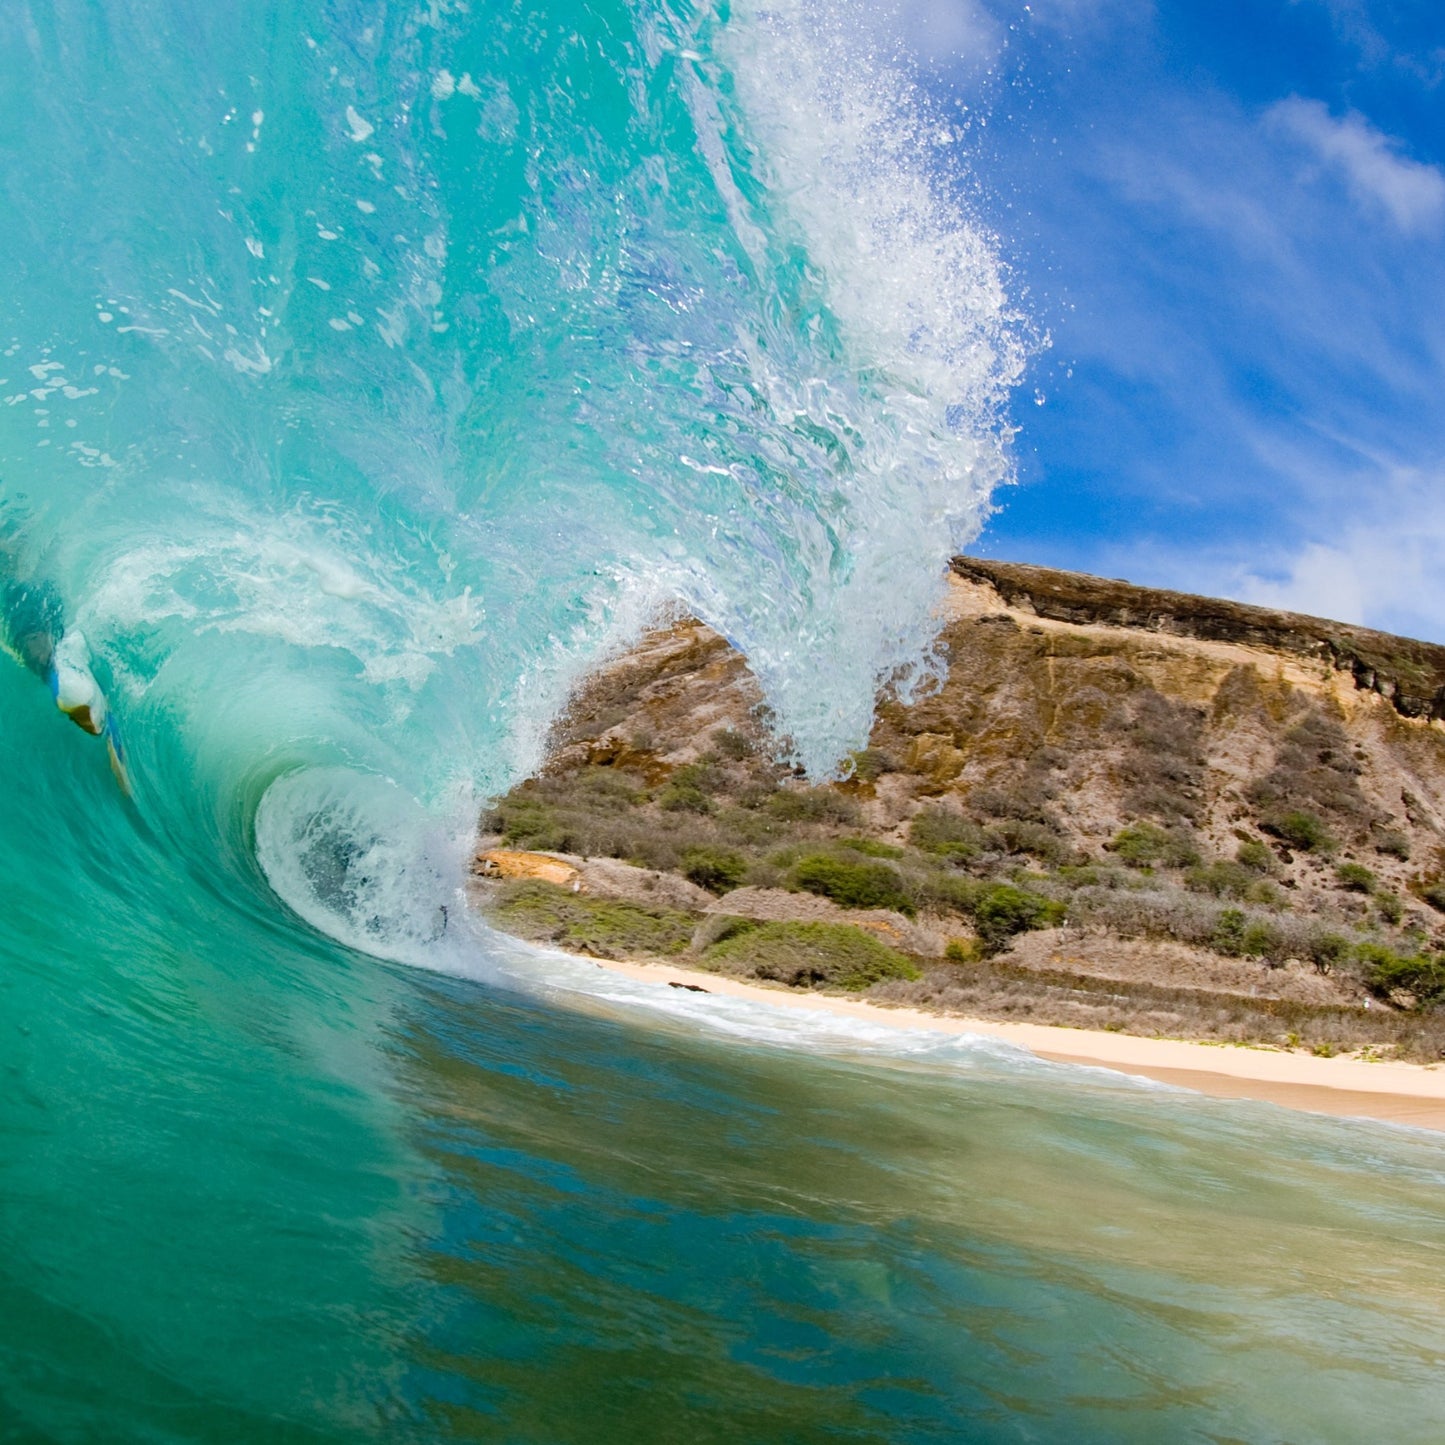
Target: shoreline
x,y
1395,1093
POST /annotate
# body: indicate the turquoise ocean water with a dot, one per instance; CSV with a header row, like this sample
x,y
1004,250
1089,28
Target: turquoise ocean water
x,y
365,370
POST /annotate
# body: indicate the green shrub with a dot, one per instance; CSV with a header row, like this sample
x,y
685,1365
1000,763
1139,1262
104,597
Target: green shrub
x,y
1256,855
730,744
1261,939
603,789
812,805
1314,777
1394,843
719,927
762,874
1019,835
1389,975
1434,895
870,847
1374,955
701,775
854,885
946,833
1001,911
530,823
1222,879
809,954
950,890
1236,935
1143,845
1228,935
606,928
869,764
717,869
1264,892
740,826
1326,949
963,950
690,788
1391,909
1300,830
1355,877
684,797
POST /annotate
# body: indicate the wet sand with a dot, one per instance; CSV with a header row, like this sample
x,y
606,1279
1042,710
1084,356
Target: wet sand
x,y
1411,1094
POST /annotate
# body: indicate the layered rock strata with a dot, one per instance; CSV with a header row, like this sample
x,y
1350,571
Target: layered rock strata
x,y
1246,804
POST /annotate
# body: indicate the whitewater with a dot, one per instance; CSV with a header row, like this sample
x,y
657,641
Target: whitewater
x,y
368,372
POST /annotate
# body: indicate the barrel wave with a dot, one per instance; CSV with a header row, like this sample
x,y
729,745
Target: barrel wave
x,y
368,371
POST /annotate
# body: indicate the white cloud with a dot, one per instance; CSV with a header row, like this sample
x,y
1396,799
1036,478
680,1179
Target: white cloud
x,y
1410,192
1090,11
1352,23
1361,545
1381,567
937,31
976,32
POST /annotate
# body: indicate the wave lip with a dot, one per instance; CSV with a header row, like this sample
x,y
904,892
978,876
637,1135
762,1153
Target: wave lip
x,y
357,858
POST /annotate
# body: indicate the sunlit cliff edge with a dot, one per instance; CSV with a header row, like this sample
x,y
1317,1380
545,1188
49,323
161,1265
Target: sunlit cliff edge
x,y
1115,807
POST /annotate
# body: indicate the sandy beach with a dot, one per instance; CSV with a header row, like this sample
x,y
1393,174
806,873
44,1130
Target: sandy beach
x,y
1398,1093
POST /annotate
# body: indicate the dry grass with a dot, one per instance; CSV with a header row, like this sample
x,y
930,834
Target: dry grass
x,y
807,955
993,989
600,927
1213,805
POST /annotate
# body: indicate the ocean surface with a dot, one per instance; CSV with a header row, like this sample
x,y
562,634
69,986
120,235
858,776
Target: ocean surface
x,y
366,372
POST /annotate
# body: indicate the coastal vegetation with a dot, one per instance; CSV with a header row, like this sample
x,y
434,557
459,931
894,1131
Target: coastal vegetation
x,y
807,954
1271,861
606,927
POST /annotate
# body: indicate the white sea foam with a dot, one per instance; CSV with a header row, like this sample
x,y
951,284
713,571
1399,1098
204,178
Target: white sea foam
x,y
358,128
359,859
853,169
307,580
477,951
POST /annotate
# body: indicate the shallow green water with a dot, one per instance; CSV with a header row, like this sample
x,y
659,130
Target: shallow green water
x,y
648,304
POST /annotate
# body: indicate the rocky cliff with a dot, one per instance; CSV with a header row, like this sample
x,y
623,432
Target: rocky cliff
x,y
1410,674
1111,804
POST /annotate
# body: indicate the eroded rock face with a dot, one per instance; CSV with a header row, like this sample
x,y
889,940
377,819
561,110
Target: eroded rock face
x,y
1089,724
1408,673
1287,773
508,865
659,706
1077,706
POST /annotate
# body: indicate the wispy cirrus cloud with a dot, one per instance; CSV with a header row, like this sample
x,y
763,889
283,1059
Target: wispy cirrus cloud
x,y
1375,562
1398,38
1353,23
937,29
1379,563
1378,175
975,33
1238,238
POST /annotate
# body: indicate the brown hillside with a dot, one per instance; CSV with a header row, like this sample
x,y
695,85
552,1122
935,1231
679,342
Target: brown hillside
x,y
1238,814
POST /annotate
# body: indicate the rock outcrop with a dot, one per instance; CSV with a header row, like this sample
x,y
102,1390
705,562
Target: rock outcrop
x,y
1408,673
1208,789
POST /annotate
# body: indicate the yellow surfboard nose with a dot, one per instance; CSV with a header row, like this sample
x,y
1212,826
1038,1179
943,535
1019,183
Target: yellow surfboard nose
x,y
83,717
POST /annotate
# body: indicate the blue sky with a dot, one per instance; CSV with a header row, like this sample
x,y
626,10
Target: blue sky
x,y
1230,219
